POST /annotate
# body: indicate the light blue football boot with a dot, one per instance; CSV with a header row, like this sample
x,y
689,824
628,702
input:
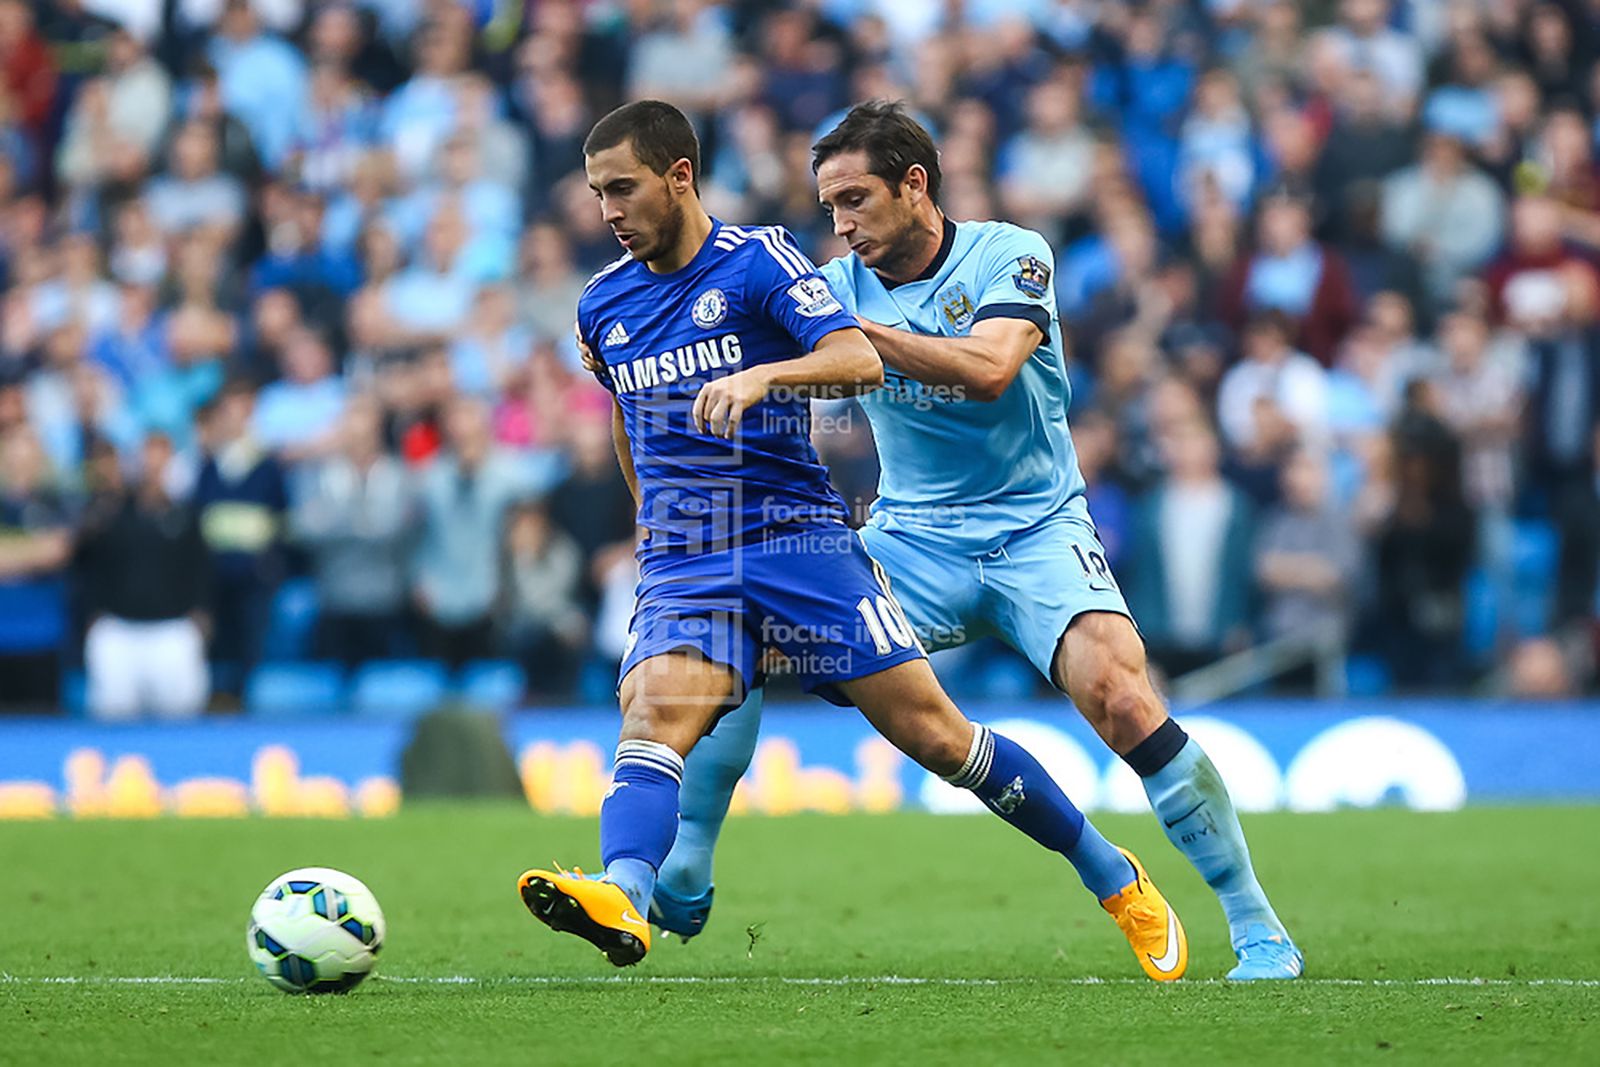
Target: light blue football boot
x,y
1266,956
675,915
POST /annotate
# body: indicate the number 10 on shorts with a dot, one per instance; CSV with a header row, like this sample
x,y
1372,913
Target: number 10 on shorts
x,y
886,622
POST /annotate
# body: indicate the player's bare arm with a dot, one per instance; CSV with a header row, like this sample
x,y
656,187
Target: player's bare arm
x,y
983,363
843,360
619,441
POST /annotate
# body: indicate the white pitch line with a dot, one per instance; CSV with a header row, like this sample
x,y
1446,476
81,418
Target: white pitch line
x,y
720,980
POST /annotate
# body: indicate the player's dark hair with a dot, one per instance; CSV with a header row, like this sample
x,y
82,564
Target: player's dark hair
x,y
659,133
892,140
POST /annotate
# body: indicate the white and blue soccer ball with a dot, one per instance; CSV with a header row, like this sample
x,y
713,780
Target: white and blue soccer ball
x,y
315,930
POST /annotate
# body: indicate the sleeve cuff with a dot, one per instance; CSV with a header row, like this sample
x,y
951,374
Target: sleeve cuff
x,y
1027,312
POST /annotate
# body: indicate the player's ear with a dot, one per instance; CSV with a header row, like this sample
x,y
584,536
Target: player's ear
x,y
681,176
915,181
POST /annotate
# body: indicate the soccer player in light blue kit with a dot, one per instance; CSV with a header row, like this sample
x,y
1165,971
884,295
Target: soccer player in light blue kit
x,y
981,521
710,338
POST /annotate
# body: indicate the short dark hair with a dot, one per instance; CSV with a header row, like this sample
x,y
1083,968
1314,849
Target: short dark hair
x,y
891,138
659,133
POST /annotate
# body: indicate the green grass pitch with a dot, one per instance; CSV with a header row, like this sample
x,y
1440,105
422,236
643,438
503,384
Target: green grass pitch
x,y
906,938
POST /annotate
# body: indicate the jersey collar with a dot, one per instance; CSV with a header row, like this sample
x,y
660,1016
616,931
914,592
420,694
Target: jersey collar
x,y
946,243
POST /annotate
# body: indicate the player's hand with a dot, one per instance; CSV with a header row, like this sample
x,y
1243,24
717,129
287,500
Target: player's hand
x,y
720,404
591,362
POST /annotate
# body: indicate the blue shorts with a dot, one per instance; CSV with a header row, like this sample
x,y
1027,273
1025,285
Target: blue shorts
x,y
815,595
1026,591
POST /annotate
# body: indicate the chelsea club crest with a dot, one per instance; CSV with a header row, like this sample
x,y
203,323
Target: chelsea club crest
x,y
710,308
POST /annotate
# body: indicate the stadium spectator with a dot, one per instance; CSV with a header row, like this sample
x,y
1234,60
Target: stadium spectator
x,y
464,495
1445,212
118,119
297,416
547,283
193,192
353,513
241,498
1273,390
1308,558
1539,670
1365,39
1045,170
1366,145
1480,394
35,545
1189,581
492,347
1424,546
144,568
1291,272
1563,437
543,623
29,71
262,79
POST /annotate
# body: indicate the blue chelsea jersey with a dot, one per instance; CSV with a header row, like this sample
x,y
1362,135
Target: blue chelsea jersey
x,y
748,297
968,472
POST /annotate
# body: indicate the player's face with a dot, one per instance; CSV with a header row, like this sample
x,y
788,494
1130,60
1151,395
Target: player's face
x,y
641,207
875,219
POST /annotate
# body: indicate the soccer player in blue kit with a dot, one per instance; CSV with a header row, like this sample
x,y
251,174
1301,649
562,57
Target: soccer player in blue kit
x,y
711,336
981,521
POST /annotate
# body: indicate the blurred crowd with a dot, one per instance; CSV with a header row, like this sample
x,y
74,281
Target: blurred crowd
x,y
288,289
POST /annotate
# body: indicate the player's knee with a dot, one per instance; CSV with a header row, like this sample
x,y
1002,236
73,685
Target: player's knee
x,y
938,742
1120,705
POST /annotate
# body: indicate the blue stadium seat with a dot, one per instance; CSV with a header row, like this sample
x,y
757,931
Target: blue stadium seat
x,y
75,694
295,690
1534,551
1483,619
398,689
293,624
1367,676
494,684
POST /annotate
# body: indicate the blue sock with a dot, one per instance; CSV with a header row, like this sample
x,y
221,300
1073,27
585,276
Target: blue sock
x,y
710,774
1193,804
1011,782
639,817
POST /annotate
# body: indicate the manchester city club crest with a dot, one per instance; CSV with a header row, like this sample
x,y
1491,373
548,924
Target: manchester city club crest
x,y
710,308
956,305
1032,277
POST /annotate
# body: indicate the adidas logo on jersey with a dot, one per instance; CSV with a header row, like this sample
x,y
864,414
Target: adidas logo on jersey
x,y
616,337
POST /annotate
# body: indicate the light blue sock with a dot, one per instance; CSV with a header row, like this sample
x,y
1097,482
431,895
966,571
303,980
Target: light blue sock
x,y
639,817
1192,802
1015,787
710,774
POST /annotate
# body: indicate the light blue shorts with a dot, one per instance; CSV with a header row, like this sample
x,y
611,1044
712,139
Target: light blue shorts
x,y
1025,592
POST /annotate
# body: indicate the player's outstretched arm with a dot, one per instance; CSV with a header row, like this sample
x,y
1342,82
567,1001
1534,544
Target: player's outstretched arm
x,y
983,363
843,363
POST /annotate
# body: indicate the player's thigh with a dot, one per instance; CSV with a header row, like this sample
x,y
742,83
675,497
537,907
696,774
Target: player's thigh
x,y
937,590
906,704
674,697
689,647
1045,579
817,597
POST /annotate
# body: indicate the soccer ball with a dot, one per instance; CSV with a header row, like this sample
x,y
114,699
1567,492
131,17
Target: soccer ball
x,y
315,930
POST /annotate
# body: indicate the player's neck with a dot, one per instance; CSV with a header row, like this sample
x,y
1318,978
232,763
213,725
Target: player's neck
x,y
696,230
921,249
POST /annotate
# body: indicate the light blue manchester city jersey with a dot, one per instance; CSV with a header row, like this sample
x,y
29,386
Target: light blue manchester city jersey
x,y
966,472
